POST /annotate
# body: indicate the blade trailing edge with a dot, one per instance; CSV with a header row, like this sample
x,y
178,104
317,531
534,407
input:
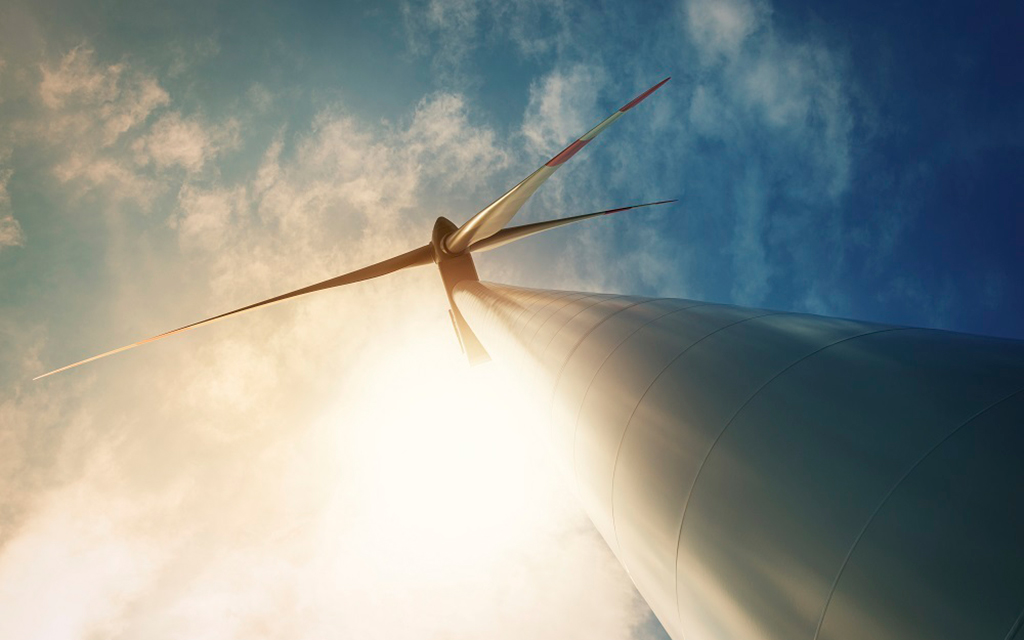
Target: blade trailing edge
x,y
511,234
496,215
417,257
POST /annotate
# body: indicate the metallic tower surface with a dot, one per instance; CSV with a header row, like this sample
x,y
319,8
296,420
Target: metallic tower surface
x,y
778,475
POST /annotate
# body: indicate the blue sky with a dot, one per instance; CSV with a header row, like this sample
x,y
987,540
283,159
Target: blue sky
x,y
835,158
160,163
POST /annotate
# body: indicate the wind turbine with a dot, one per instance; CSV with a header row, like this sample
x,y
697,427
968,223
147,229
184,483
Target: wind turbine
x,y
760,475
450,247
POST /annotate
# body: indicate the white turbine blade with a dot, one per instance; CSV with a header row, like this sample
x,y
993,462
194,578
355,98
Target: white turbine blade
x,y
511,234
496,215
416,257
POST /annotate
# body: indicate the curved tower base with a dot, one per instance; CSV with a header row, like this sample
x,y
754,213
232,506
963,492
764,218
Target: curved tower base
x,y
778,475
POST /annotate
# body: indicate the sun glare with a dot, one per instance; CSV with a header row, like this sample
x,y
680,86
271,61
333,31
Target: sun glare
x,y
447,469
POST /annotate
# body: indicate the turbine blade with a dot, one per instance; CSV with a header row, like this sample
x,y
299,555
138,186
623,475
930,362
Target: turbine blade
x,y
417,257
497,214
511,234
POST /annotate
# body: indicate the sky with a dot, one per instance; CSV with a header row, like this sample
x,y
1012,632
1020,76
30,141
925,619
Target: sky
x,y
331,467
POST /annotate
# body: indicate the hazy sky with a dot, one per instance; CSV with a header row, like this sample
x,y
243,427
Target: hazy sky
x,y
330,468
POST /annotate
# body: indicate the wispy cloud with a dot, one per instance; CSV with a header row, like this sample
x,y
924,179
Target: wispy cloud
x,y
787,104
87,108
720,27
450,32
208,215
11,234
85,96
174,140
562,107
188,54
451,148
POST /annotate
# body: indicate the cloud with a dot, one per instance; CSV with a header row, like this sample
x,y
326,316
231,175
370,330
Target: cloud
x,y
92,576
796,89
77,76
450,32
176,141
110,98
208,215
448,29
89,110
104,121
787,105
453,149
87,171
720,27
353,178
562,107
11,234
759,105
186,56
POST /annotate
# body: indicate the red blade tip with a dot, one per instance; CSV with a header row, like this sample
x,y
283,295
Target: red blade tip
x,y
640,98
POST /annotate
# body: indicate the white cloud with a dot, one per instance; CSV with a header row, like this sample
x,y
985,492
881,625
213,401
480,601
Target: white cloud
x,y
452,149
176,141
94,111
720,27
134,106
78,76
11,234
449,32
452,24
87,96
458,17
786,103
87,171
89,108
768,99
75,566
562,107
564,104
794,88
351,178
207,215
